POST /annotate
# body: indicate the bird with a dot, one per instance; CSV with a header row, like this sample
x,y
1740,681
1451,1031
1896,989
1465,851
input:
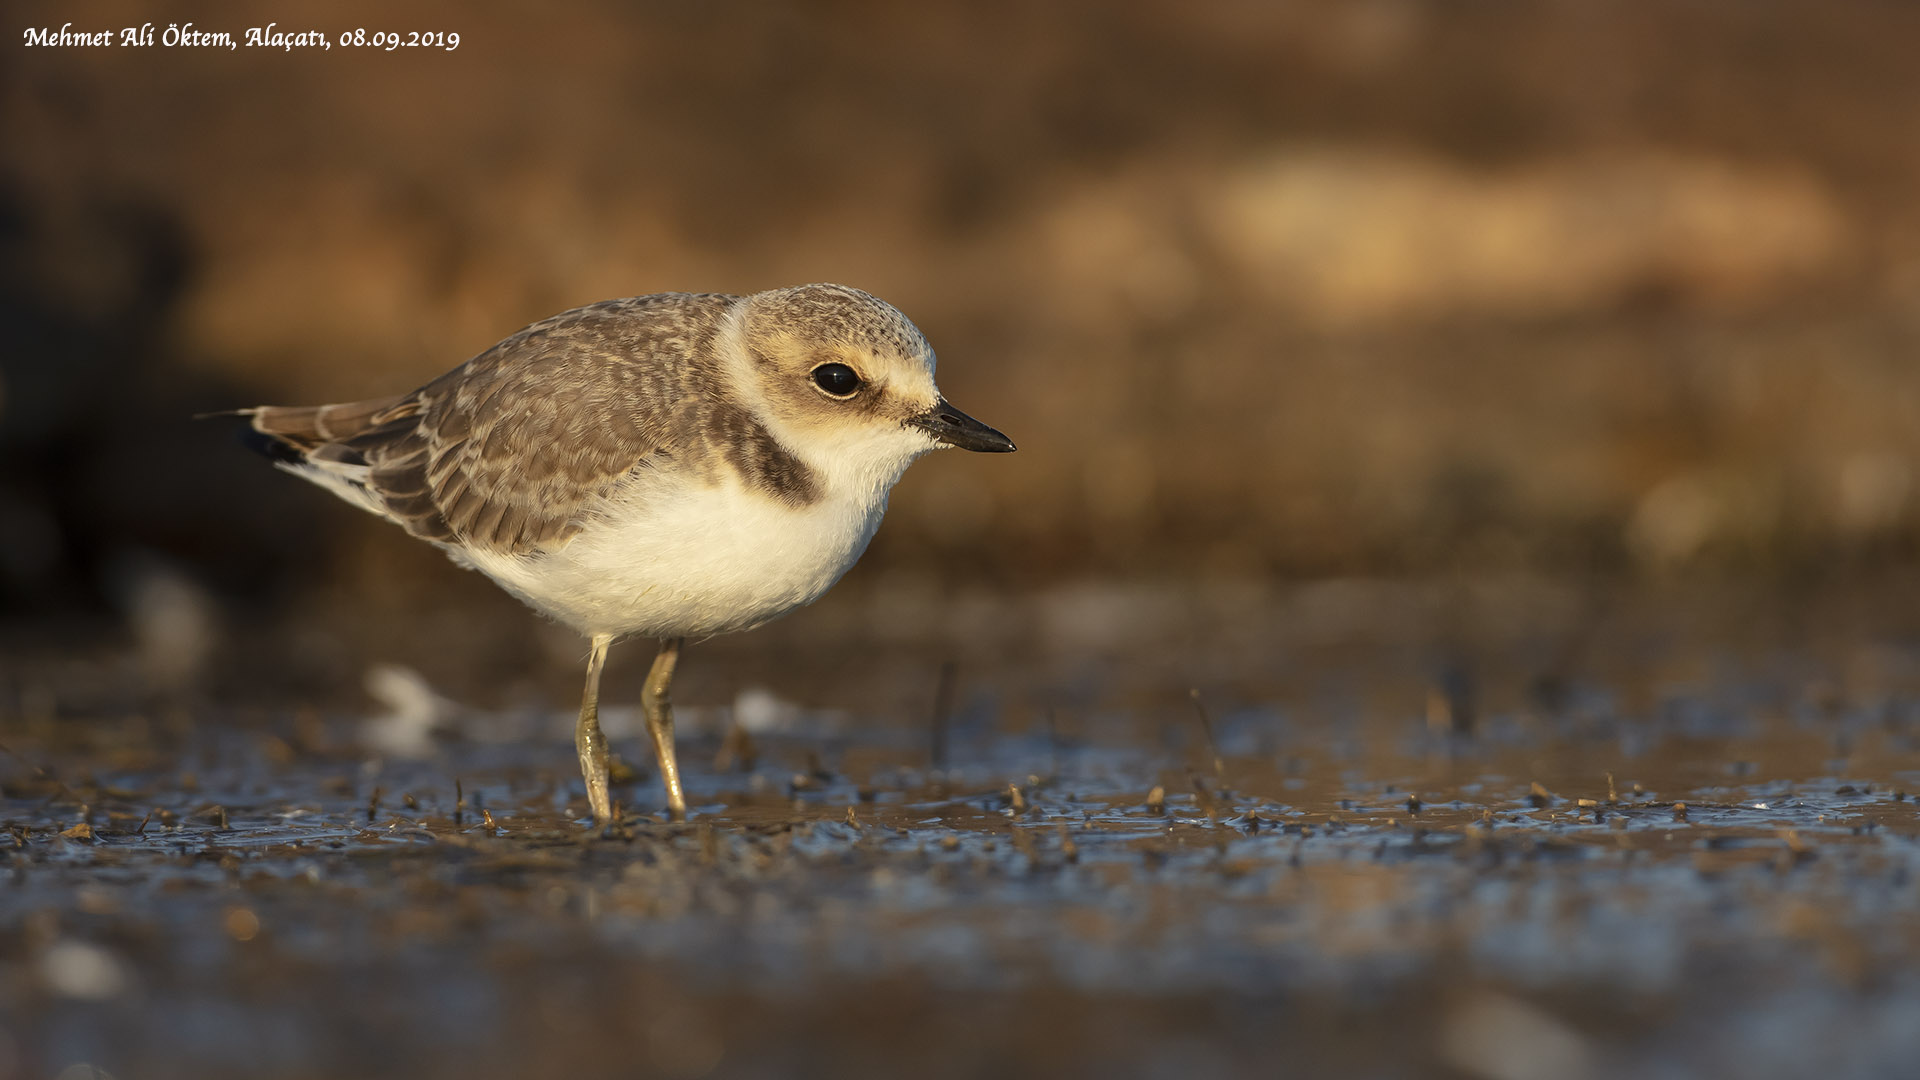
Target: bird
x,y
672,466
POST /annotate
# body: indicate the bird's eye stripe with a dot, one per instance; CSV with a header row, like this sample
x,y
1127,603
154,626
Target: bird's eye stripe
x,y
838,380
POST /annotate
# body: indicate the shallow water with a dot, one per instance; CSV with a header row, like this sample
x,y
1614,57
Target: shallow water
x,y
1669,876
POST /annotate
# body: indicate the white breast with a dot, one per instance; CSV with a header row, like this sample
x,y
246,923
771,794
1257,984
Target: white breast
x,y
680,559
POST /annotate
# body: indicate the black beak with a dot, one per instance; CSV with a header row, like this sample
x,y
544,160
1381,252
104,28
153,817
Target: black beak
x,y
955,428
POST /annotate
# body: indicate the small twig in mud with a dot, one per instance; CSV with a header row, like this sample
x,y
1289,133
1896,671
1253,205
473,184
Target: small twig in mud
x,y
1016,802
40,772
1450,702
736,749
942,708
486,818
373,805
459,801
853,819
1204,798
1206,728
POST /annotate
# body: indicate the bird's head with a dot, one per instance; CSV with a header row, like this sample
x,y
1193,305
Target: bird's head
x,y
844,379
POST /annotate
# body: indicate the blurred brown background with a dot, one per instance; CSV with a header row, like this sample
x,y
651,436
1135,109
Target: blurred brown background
x,y
1263,290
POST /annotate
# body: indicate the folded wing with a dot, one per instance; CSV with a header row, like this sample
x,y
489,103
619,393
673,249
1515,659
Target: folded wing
x,y
512,450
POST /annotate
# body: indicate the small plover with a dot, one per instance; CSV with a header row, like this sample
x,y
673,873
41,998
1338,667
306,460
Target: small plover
x,y
671,466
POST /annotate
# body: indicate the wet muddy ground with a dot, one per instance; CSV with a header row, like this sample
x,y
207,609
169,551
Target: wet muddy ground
x,y
1624,842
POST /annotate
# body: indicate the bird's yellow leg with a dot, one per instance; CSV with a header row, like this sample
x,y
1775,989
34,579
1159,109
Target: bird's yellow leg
x,y
659,712
588,739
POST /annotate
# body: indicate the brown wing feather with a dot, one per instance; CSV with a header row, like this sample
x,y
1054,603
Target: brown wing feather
x,y
509,451
310,426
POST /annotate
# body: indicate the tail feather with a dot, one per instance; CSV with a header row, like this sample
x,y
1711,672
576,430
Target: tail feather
x,y
306,427
271,448
330,444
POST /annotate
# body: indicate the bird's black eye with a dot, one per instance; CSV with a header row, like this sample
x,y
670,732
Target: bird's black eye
x,y
836,379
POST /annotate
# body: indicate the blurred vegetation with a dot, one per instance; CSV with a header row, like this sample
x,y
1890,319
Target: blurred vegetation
x,y
1356,287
